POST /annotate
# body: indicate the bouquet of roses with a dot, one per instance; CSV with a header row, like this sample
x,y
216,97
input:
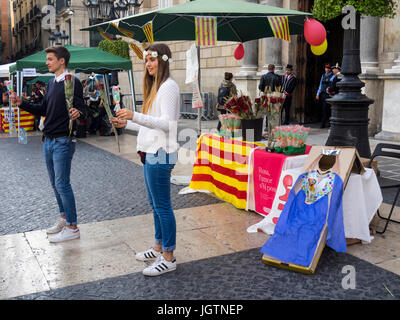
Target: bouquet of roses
x,y
104,98
240,106
275,99
260,108
230,124
69,96
290,139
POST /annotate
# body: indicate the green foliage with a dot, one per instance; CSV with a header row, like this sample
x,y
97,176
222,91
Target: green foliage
x,y
324,10
117,47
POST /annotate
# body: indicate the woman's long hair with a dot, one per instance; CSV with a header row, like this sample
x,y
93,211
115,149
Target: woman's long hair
x,y
151,84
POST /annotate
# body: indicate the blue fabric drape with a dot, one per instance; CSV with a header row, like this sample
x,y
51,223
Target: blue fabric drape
x,y
300,225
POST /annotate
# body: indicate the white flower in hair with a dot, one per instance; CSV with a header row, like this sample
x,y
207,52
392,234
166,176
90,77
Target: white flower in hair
x,y
165,57
154,54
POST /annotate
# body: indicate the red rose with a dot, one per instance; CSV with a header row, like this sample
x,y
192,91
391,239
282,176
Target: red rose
x,y
281,100
100,86
257,100
68,76
272,100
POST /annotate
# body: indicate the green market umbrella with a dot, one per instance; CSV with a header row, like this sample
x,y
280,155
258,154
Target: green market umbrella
x,y
238,21
83,59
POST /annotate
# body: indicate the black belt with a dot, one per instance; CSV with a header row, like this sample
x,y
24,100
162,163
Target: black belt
x,y
54,136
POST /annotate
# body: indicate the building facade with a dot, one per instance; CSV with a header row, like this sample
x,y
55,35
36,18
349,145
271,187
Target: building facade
x,y
380,56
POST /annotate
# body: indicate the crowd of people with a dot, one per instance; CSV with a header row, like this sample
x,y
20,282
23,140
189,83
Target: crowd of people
x,y
286,84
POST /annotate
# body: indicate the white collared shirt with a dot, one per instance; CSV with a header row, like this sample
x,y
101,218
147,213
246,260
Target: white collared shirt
x,y
61,77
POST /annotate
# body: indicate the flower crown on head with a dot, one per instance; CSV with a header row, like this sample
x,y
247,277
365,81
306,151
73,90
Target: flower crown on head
x,y
154,54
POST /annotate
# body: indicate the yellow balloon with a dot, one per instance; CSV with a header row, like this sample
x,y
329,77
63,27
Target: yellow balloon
x,y
319,50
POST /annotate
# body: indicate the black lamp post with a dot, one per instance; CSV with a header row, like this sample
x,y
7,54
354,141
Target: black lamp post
x,y
349,120
64,38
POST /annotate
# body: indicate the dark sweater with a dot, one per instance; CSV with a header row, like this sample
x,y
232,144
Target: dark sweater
x,y
54,108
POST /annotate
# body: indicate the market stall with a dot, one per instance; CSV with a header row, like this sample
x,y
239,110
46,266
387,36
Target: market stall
x,y
83,59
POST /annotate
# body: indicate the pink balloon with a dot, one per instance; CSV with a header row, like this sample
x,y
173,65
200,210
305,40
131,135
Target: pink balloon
x,y
314,32
239,52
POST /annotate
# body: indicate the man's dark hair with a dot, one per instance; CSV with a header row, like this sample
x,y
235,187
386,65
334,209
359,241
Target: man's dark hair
x,y
59,52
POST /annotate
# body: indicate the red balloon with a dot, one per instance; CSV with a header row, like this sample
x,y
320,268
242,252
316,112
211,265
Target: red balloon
x,y
239,52
314,32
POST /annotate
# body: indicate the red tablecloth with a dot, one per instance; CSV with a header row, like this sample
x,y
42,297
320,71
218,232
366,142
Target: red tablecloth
x,y
267,169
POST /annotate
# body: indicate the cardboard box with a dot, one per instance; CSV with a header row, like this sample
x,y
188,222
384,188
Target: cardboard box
x,y
349,162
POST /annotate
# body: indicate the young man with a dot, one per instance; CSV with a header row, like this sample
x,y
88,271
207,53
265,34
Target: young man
x,y
59,145
288,86
269,81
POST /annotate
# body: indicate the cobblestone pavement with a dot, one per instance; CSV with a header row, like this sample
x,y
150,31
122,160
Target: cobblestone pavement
x,y
240,276
29,204
98,177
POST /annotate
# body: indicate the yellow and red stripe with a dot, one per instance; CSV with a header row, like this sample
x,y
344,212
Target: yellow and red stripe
x,y
280,27
26,120
206,31
221,167
148,31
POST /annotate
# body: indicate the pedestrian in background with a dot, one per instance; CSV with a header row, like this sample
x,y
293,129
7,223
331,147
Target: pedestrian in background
x,y
157,144
269,82
333,80
322,95
59,146
288,85
226,90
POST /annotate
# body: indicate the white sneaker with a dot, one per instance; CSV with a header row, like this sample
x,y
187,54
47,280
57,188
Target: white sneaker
x,y
61,223
159,267
65,235
148,255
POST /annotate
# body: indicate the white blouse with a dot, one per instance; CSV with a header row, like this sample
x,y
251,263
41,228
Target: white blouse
x,y
159,128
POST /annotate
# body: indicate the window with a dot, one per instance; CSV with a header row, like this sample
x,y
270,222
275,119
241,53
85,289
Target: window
x,y
165,3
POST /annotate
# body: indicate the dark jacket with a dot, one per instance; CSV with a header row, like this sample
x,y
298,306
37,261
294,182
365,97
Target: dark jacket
x,y
324,83
54,108
232,91
333,89
270,80
288,84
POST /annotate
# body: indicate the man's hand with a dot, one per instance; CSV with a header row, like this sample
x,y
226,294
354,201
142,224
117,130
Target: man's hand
x,y
118,123
124,114
317,97
15,100
74,113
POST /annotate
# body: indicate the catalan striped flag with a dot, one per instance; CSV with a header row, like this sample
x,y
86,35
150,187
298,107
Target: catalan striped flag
x,y
280,27
221,167
26,120
206,31
137,50
103,34
148,31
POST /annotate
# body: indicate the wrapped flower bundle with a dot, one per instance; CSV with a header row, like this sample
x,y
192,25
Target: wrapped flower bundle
x,y
241,106
69,96
104,98
290,139
116,98
230,124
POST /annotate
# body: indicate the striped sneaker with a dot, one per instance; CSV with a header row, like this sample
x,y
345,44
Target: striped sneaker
x,y
148,255
159,267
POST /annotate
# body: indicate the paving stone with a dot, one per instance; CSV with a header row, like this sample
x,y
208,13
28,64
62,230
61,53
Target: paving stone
x,y
105,187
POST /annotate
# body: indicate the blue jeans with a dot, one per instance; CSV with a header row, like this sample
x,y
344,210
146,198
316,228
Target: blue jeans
x,y
157,177
58,155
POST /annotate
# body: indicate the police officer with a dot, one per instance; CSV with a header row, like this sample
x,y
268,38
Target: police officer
x,y
322,95
334,79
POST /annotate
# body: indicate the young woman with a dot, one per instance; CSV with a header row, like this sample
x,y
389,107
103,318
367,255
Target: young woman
x,y
157,143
